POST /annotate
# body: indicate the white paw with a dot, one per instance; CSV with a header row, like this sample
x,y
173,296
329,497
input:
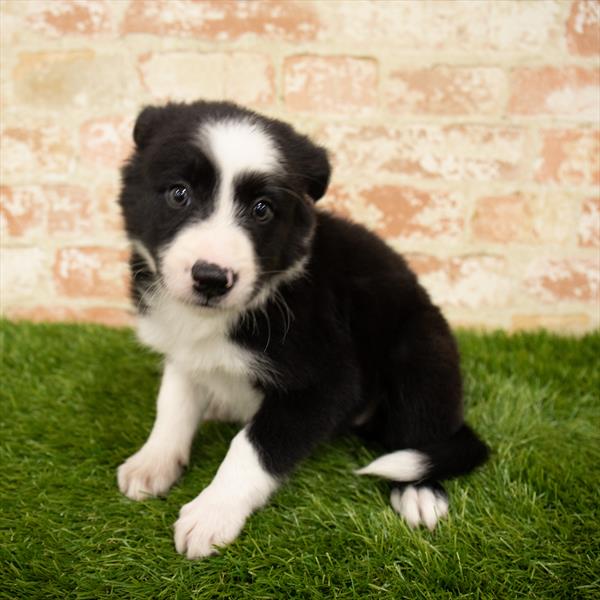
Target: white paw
x,y
212,519
419,506
149,472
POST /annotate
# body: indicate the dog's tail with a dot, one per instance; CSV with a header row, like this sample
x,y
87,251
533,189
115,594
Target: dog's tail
x,y
457,455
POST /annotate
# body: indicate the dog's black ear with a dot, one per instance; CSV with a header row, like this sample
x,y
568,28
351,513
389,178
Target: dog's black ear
x,y
146,125
318,173
313,166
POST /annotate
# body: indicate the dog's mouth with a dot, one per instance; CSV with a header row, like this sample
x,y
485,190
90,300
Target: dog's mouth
x,y
204,301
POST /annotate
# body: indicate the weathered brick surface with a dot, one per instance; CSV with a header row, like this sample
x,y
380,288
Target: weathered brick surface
x,y
588,229
446,90
187,76
35,212
22,212
472,281
287,20
465,133
64,17
88,314
67,80
106,142
442,26
95,272
37,151
330,84
523,218
562,323
583,28
572,91
25,274
569,156
410,213
556,279
452,153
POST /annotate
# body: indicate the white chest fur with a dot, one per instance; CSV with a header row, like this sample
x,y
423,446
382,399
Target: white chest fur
x,y
197,342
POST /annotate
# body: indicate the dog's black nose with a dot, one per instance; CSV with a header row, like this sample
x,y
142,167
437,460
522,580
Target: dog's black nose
x,y
212,280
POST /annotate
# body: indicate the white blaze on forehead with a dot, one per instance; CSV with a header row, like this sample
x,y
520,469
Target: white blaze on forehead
x,y
234,147
238,146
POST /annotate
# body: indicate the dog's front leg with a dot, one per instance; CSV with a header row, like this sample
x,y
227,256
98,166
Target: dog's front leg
x,y
216,516
284,430
155,467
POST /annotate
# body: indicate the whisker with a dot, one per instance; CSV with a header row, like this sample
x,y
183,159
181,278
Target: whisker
x,y
266,315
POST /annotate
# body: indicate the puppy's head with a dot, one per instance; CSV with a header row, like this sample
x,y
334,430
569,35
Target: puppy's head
x,y
219,201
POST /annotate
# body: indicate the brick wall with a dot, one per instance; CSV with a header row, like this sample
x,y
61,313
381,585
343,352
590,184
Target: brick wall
x,y
466,133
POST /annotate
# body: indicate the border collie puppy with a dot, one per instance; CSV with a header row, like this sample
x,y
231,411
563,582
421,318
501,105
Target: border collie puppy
x,y
294,322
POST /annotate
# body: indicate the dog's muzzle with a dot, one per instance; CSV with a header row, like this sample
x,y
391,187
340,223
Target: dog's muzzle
x,y
211,281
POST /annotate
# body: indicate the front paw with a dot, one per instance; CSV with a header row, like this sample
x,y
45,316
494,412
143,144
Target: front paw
x,y
212,519
149,472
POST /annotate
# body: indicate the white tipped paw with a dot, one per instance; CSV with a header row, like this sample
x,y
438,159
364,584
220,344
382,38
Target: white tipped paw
x,y
149,473
419,505
207,522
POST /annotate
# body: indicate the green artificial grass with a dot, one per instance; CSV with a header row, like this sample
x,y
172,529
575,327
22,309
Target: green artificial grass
x,y
78,400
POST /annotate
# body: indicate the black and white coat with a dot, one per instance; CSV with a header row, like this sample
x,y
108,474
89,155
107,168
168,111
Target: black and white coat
x,y
292,321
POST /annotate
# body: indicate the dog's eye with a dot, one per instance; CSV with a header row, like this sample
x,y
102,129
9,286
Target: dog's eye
x,y
262,211
178,196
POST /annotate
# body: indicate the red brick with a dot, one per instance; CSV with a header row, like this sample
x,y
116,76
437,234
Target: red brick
x,y
583,28
70,210
446,90
106,142
46,148
400,212
22,211
522,218
470,281
571,91
588,230
410,213
97,272
62,210
115,317
423,264
65,17
330,84
569,156
338,200
452,153
287,20
108,210
555,279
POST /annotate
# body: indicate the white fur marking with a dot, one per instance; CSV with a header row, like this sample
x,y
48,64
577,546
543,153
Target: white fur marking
x,y
141,249
404,465
290,274
216,516
217,240
196,340
153,469
419,506
239,145
406,503
234,146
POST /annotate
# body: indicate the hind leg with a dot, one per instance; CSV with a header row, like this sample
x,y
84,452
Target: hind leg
x,y
419,386
423,503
